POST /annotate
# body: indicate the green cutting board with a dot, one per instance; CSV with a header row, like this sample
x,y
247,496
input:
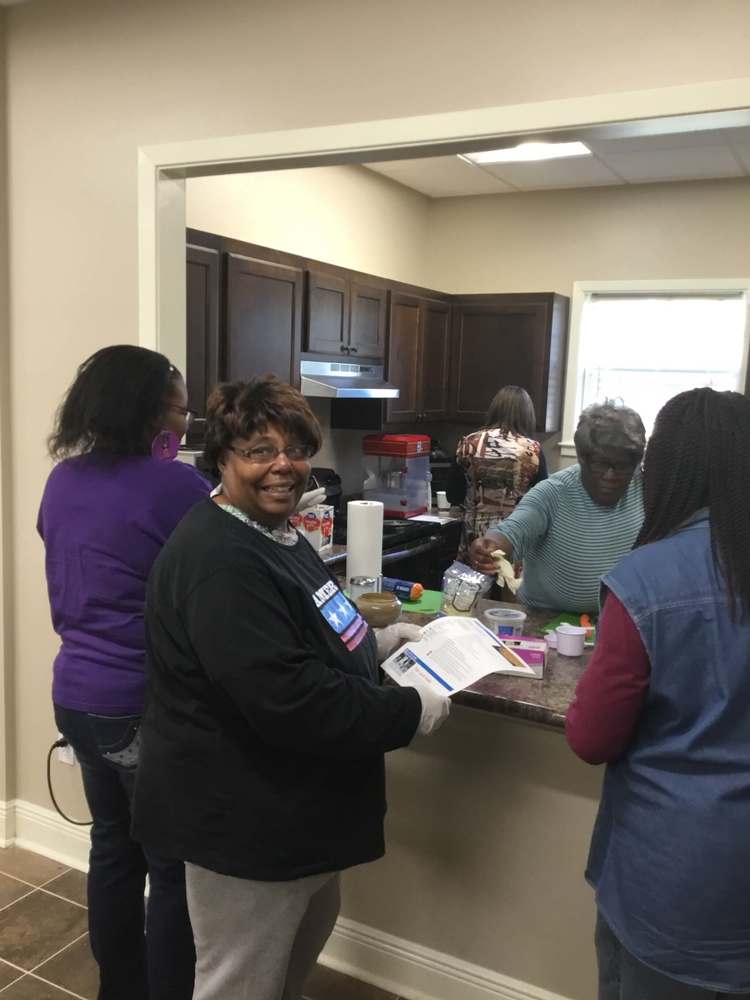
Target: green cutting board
x,y
428,603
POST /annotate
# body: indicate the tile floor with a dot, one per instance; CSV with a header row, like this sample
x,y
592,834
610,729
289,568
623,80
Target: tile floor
x,y
44,949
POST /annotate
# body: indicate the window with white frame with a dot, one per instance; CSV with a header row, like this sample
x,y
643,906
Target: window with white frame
x,y
642,347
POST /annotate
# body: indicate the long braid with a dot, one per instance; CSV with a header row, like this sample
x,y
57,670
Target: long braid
x,y
699,456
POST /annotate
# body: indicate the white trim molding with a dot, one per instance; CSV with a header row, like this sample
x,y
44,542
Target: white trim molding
x,y
7,824
582,290
417,973
44,832
161,201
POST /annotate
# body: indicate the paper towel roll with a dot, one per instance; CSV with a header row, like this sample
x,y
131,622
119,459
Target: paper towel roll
x,y
364,538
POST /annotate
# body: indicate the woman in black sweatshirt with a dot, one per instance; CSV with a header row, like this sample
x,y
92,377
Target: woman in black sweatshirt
x,y
262,756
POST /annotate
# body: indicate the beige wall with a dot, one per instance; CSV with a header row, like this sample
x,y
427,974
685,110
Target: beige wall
x,y
6,608
91,80
544,241
345,215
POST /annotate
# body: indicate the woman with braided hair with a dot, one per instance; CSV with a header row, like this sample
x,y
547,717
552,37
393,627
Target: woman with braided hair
x,y
665,702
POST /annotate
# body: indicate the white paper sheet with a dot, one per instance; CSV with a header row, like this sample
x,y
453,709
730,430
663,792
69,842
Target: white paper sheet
x,y
451,654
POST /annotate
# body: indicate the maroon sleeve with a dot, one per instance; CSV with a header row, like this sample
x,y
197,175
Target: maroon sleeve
x,y
608,700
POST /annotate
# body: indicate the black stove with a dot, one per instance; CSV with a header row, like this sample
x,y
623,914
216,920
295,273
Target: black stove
x,y
395,532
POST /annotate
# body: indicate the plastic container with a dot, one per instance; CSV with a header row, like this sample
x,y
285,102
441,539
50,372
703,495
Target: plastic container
x,y
462,588
505,621
570,639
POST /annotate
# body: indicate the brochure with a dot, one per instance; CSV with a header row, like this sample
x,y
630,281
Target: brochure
x,y
451,654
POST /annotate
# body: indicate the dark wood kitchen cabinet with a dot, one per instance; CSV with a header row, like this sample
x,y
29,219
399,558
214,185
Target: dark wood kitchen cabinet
x,y
369,320
508,340
345,317
418,358
434,360
263,302
327,313
203,311
248,308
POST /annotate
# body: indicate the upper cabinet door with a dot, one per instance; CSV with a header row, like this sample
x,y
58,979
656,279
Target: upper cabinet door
x,y
508,340
434,360
403,351
368,321
202,333
327,313
263,318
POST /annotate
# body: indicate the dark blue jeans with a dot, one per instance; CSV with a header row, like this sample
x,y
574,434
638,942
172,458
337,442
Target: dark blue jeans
x,y
141,956
623,977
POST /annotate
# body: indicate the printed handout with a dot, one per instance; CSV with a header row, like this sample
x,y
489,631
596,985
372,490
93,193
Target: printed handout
x,y
453,653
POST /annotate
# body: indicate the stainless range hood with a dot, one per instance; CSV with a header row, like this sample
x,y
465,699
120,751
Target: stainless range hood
x,y
342,380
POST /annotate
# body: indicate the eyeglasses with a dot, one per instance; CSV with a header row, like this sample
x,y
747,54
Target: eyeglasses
x,y
189,415
601,468
264,454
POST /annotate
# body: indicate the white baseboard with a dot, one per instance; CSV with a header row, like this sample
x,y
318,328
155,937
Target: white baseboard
x,y
395,965
415,972
44,832
7,824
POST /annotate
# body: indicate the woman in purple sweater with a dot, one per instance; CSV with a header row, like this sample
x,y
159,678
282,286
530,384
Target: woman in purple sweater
x,y
108,508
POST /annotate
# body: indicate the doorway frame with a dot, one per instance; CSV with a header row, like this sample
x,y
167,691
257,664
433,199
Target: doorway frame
x,y
163,169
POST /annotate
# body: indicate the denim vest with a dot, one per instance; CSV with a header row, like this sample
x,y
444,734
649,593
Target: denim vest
x,y
670,852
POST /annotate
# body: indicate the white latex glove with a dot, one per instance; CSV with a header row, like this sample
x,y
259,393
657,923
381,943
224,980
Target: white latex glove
x,y
392,636
506,576
310,499
435,710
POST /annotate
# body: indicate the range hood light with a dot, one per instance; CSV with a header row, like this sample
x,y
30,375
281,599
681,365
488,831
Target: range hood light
x,y
529,152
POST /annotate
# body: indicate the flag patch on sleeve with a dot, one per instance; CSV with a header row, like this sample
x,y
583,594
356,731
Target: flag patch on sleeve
x,y
341,615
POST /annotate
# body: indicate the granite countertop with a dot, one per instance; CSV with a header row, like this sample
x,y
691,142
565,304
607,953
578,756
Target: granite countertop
x,y
543,701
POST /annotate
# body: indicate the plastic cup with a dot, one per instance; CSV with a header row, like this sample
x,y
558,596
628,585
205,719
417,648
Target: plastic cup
x,y
505,621
442,500
570,640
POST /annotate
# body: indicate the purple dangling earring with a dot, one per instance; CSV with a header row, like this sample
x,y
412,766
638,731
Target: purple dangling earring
x,y
165,446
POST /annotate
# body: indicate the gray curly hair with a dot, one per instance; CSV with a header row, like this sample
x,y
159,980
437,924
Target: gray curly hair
x,y
610,425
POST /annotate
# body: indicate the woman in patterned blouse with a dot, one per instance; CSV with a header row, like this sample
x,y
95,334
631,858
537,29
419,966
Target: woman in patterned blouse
x,y
496,465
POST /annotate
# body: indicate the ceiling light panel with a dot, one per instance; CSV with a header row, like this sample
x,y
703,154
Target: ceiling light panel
x,y
530,152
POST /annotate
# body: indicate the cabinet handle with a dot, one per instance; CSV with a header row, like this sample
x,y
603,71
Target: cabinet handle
x,y
352,350
344,349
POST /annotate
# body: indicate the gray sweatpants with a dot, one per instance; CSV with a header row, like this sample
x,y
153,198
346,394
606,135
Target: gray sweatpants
x,y
258,940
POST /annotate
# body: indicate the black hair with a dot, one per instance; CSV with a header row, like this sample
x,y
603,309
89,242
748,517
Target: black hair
x,y
698,457
512,411
115,404
241,409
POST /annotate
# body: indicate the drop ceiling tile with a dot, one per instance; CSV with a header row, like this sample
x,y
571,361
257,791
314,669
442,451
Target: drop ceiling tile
x,y
577,171
647,143
690,163
441,176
